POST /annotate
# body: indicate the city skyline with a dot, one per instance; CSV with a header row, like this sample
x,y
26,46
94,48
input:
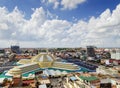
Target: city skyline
x,y
60,23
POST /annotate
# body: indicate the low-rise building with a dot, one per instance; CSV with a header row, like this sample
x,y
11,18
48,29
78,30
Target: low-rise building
x,y
91,81
107,71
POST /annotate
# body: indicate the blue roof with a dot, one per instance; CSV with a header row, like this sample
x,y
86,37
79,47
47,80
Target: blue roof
x,y
73,78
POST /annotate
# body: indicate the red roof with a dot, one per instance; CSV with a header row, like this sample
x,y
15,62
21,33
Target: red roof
x,y
23,56
28,81
111,60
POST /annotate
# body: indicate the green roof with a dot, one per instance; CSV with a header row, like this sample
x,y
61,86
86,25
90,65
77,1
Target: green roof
x,y
89,79
4,76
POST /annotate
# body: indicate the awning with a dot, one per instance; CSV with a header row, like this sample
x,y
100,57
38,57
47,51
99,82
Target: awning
x,y
42,86
73,78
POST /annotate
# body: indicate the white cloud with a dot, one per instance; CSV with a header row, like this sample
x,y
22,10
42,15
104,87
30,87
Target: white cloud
x,y
65,4
3,26
55,2
39,31
71,4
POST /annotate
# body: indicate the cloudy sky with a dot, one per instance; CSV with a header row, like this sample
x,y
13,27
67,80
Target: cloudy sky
x,y
60,23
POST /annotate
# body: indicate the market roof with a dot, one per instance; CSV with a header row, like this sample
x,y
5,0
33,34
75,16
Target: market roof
x,y
89,78
43,57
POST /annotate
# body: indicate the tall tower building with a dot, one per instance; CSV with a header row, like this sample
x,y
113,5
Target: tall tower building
x,y
15,49
116,54
90,51
115,57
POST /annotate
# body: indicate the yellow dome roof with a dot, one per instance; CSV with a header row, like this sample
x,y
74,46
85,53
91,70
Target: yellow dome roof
x,y
43,57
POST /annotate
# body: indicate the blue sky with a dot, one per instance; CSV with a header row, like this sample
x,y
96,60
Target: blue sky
x,y
84,11
60,23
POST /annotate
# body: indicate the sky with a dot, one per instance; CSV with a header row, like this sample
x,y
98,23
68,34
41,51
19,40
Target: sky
x,y
60,23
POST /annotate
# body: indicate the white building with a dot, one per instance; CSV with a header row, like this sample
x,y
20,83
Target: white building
x,y
116,54
107,71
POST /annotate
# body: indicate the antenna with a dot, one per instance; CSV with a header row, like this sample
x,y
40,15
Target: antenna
x,y
14,42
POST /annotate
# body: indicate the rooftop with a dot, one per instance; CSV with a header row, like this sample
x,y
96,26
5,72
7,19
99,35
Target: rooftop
x,y
43,57
89,78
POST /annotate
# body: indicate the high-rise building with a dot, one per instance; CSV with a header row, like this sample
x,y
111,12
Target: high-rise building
x,y
90,51
115,54
2,52
15,49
